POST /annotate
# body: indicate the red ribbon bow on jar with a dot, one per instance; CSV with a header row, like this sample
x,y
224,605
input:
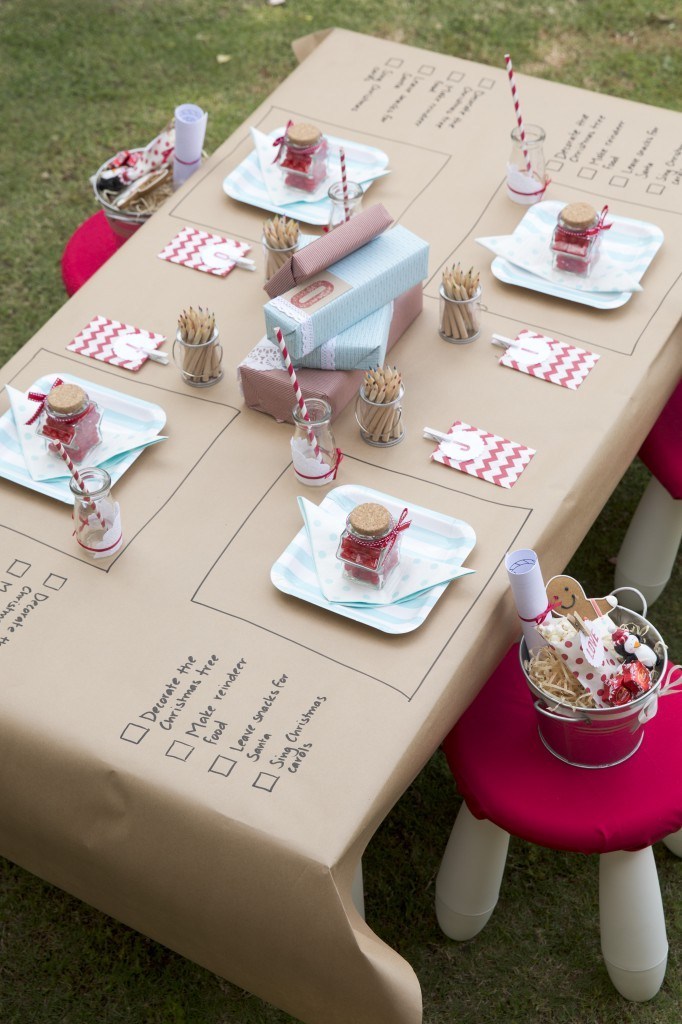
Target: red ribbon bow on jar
x,y
539,619
600,225
280,142
388,539
38,396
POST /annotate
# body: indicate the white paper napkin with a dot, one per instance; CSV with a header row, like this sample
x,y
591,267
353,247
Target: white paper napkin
x,y
617,269
44,466
424,562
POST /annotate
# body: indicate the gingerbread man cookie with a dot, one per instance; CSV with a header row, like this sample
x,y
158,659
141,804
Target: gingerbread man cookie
x,y
567,595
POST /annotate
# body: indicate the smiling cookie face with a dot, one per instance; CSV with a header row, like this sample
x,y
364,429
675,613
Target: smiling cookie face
x,y
567,595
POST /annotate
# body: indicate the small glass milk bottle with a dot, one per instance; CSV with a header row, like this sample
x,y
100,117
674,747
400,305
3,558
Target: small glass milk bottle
x,y
313,449
96,516
344,203
526,177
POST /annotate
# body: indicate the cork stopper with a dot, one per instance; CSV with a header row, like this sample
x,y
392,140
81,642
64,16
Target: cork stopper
x,y
303,134
369,520
66,399
578,216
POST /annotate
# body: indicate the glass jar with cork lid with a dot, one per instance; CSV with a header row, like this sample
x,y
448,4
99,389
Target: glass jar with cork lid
x,y
370,544
303,156
70,416
576,237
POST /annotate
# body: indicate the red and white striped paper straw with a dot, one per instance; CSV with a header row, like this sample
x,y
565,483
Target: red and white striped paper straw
x,y
517,108
297,391
59,448
344,182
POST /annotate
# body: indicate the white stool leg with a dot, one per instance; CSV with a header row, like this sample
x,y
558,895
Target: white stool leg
x,y
358,890
470,875
633,939
650,546
674,843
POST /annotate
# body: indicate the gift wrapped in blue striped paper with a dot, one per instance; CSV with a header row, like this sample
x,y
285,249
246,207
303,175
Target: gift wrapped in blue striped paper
x,y
377,273
360,347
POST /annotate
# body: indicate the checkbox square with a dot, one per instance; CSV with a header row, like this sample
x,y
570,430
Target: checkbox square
x,y
18,568
455,76
394,62
618,181
266,781
426,69
654,189
223,765
486,83
54,582
179,751
134,733
587,172
554,165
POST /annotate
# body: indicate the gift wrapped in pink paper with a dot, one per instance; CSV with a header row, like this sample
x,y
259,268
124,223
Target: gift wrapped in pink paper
x,y
266,386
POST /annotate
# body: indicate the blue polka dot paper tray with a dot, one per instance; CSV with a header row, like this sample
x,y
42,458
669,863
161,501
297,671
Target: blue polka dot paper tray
x,y
432,555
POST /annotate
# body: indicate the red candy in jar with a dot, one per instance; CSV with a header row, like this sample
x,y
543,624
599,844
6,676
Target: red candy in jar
x,y
370,544
71,417
575,241
303,156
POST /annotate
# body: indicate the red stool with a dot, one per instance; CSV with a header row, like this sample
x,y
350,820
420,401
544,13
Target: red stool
x,y
650,546
89,247
511,784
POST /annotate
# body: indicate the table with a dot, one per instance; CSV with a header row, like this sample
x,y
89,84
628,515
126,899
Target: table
x,y
233,835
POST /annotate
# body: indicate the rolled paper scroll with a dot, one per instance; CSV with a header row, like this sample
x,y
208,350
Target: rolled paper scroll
x,y
190,129
528,588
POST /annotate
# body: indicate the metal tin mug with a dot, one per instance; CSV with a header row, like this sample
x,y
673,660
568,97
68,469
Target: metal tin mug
x,y
596,737
381,423
199,365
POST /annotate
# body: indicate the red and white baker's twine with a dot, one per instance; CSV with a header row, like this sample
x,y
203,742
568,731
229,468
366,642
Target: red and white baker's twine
x,y
59,448
298,393
517,108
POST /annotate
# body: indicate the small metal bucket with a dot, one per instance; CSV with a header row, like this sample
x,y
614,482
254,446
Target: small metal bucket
x,y
597,737
121,222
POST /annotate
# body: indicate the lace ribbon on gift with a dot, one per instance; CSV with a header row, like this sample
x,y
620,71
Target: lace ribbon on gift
x,y
38,396
302,318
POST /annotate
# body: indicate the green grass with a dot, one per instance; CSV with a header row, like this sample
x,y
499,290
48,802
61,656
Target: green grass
x,y
81,77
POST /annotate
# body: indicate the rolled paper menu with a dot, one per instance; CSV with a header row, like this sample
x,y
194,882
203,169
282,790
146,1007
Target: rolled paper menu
x,y
190,129
528,588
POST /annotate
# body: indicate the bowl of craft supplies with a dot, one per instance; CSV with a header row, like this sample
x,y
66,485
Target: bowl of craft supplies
x,y
597,680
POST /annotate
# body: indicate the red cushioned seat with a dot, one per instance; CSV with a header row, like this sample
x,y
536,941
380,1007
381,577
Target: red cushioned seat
x,y
506,775
661,453
89,247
